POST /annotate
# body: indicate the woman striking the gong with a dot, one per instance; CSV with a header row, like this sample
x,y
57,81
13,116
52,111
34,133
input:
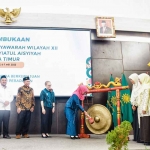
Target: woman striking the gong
x,y
71,109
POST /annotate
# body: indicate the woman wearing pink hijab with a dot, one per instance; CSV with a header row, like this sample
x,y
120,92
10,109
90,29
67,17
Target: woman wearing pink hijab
x,y
71,109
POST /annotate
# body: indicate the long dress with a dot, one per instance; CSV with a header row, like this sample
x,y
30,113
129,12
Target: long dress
x,y
71,110
136,128
145,118
136,121
134,101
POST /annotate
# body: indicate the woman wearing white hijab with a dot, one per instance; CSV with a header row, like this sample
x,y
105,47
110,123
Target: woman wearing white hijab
x,y
134,97
144,108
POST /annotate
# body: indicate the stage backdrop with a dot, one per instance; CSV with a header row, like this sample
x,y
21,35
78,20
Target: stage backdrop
x,y
60,56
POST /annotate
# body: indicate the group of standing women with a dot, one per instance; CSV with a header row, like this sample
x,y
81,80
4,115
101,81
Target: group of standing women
x,y
140,100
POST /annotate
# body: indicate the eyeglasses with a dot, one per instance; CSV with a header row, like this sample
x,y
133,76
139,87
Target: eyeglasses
x,y
48,85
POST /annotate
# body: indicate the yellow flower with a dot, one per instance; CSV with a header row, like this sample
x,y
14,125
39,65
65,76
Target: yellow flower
x,y
126,98
114,100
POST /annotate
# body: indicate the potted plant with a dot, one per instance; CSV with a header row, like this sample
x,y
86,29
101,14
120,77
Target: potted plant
x,y
118,138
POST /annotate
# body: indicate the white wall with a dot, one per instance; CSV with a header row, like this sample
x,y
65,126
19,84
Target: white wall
x,y
130,15
116,8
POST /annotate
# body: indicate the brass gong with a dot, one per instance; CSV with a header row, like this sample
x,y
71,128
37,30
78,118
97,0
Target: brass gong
x,y
102,119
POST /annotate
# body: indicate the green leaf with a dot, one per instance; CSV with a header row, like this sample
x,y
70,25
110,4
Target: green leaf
x,y
118,138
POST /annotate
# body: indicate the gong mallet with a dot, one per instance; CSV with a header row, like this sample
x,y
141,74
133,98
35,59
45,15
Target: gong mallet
x,y
91,120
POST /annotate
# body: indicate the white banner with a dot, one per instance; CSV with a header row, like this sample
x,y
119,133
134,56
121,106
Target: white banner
x,y
59,56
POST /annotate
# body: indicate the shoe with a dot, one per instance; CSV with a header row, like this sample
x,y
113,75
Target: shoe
x,y
72,137
77,137
140,142
44,136
25,136
147,143
47,135
18,136
6,137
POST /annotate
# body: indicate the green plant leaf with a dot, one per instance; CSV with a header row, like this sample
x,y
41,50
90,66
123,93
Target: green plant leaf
x,y
118,138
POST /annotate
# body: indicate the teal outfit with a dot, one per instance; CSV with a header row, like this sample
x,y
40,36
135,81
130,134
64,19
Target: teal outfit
x,y
71,109
48,98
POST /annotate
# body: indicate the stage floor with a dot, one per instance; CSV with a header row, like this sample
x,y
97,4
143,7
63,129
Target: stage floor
x,y
62,142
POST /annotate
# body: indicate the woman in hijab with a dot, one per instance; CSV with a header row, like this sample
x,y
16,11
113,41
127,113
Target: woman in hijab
x,y
134,97
71,109
144,108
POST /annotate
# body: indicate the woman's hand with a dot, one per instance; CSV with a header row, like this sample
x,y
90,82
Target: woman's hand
x,y
53,109
143,111
43,111
86,114
134,108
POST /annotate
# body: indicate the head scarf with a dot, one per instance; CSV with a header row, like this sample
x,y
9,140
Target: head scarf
x,y
135,88
145,81
80,91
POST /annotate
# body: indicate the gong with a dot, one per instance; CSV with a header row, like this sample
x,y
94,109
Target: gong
x,y
102,119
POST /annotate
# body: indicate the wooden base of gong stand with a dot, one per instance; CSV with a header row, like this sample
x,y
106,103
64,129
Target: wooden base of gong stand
x,y
82,129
